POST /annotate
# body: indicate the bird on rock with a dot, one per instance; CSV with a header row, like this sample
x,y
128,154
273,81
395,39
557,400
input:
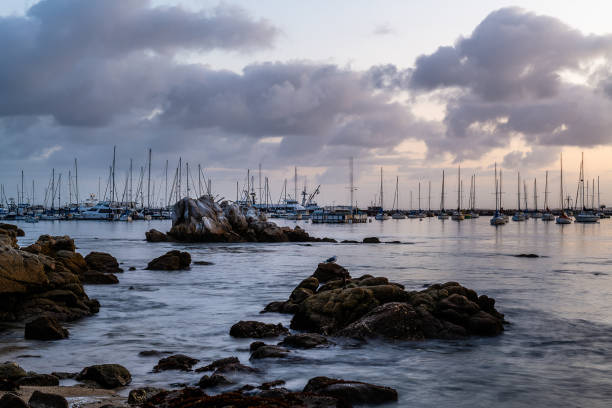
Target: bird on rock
x,y
332,259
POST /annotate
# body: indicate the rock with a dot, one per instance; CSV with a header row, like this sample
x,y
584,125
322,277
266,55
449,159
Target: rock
x,y
267,351
98,278
43,279
106,375
44,400
156,236
171,261
219,363
371,240
131,268
12,401
352,392
214,380
349,241
255,345
39,380
527,256
328,271
204,220
141,395
11,371
257,330
175,362
8,385
305,341
148,353
102,262
205,263
45,328
63,375
391,320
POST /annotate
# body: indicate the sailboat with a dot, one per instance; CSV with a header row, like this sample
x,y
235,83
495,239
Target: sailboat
x,y
518,216
600,213
563,218
443,215
473,212
421,213
585,215
498,218
457,215
547,216
535,213
429,212
381,216
397,214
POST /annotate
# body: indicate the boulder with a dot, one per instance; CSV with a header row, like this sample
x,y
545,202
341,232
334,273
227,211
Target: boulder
x,y
171,261
11,371
392,320
218,363
175,362
45,400
154,235
45,328
268,351
39,380
142,395
107,376
98,278
12,401
352,392
102,262
328,271
214,380
257,330
371,240
305,341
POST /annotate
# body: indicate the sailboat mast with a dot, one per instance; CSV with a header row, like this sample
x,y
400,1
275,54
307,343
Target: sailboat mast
x,y
496,202
149,182
113,174
459,188
52,188
442,196
381,188
419,196
76,182
546,192
535,194
429,196
598,196
561,187
518,187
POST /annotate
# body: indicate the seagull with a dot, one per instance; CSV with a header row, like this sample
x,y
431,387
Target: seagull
x,y
332,259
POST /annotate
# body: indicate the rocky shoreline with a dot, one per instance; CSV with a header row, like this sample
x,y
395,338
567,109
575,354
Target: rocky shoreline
x,y
45,284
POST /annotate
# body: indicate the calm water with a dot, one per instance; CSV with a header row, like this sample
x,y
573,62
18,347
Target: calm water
x,y
556,352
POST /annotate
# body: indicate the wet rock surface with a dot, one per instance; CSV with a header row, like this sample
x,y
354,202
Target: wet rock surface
x,y
102,262
175,362
107,376
39,380
351,392
305,341
369,306
141,395
43,279
257,330
46,400
268,351
171,261
204,220
215,380
45,328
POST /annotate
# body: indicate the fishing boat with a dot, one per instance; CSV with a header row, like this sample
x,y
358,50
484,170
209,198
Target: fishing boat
x,y
518,215
585,215
498,218
442,215
458,215
563,218
397,214
535,213
548,215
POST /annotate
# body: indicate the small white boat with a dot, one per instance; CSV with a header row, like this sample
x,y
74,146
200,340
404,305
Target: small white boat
x,y
398,216
518,216
587,217
443,215
381,216
457,216
498,219
536,214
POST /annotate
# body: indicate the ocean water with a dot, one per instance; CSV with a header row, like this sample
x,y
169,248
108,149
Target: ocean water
x,y
557,351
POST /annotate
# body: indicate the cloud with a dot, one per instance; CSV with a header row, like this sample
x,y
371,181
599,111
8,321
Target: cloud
x,y
384,29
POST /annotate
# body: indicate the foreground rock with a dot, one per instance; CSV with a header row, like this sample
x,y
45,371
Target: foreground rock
x,y
39,380
45,328
12,401
45,400
171,261
203,220
175,362
107,376
43,279
11,371
257,330
142,395
352,392
369,306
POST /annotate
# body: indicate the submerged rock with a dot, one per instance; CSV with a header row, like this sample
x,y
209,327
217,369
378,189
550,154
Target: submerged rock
x,y
45,328
352,392
175,362
257,330
371,240
106,375
171,261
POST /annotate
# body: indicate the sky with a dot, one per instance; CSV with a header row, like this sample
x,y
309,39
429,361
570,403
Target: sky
x,y
412,87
